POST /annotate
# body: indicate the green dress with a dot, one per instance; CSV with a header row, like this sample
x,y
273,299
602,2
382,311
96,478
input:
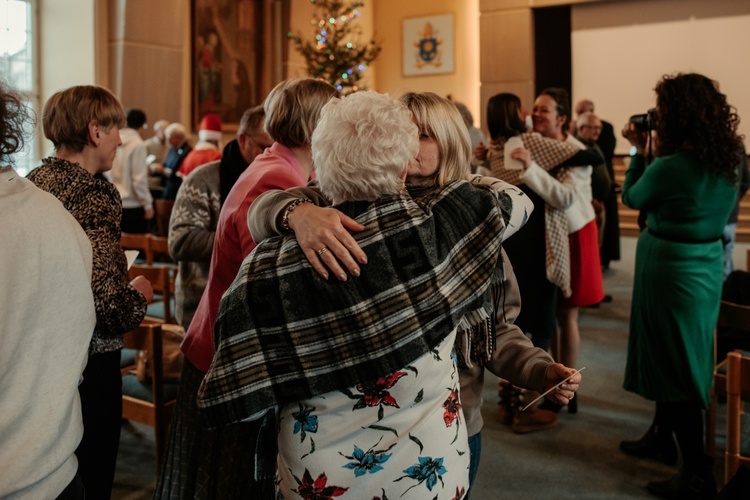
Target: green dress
x,y
678,276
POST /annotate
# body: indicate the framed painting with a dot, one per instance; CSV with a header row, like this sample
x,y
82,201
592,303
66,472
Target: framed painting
x,y
428,45
226,58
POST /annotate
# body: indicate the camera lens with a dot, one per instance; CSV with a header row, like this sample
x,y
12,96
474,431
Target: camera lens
x,y
644,122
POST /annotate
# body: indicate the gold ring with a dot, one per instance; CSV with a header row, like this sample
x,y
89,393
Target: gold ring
x,y
322,250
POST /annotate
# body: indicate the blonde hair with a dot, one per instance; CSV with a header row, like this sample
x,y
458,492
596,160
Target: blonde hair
x,y
438,118
361,146
293,108
68,113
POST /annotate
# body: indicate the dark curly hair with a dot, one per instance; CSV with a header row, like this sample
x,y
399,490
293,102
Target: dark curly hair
x,y
14,115
503,118
692,114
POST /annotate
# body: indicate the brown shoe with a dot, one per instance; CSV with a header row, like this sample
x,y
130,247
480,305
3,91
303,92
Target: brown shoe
x,y
533,419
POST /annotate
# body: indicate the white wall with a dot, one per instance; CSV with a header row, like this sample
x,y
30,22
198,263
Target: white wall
x,y
67,50
463,83
67,44
621,49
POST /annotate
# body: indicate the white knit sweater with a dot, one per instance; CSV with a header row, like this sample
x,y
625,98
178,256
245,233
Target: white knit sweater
x,y
46,322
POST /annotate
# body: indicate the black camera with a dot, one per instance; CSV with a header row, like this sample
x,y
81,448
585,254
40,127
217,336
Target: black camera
x,y
645,122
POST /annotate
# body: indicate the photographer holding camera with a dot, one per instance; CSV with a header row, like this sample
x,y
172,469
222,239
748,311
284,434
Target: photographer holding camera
x,y
688,192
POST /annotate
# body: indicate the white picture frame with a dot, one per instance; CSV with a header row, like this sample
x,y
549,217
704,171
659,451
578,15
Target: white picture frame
x,y
428,45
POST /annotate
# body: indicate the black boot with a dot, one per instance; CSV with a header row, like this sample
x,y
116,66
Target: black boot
x,y
572,405
687,485
655,445
550,406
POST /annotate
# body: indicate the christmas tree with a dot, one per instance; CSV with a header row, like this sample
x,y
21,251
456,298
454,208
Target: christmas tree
x,y
337,55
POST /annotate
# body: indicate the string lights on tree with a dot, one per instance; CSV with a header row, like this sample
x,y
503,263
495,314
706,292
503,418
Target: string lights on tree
x,y
336,55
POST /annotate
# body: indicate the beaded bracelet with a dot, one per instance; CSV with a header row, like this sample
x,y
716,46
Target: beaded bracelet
x,y
289,208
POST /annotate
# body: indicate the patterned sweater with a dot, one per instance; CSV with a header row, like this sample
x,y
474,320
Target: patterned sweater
x,y
97,207
192,229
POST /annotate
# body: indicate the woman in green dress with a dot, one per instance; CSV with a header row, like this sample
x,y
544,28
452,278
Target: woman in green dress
x,y
687,192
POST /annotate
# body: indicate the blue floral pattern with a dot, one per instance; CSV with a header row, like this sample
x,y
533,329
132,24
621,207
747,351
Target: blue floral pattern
x,y
304,422
397,436
367,461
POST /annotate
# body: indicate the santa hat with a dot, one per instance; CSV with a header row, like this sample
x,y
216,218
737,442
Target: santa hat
x,y
210,128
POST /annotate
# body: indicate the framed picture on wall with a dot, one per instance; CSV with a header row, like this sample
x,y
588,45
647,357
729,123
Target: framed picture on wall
x,y
226,60
428,45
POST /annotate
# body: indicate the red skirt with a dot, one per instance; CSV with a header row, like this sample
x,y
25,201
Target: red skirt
x,y
586,280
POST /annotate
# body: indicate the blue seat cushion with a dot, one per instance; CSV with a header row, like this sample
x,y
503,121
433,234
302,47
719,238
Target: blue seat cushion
x,y
134,388
156,309
745,434
127,357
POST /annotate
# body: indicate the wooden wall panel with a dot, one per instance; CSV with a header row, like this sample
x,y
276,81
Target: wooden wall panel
x,y
507,55
489,5
506,44
145,21
147,52
149,80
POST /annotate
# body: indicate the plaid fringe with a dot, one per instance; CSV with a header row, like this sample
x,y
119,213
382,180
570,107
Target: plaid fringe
x,y
284,334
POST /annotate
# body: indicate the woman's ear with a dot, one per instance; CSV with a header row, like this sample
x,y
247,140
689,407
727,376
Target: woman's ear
x,y
405,171
94,132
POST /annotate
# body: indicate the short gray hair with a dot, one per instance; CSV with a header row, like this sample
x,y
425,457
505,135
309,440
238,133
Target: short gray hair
x,y
583,118
361,146
175,128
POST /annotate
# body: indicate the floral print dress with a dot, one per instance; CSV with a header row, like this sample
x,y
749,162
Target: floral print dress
x,y
398,437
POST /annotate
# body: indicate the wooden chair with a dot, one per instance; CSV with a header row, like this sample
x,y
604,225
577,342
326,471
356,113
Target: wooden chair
x,y
162,281
159,249
162,214
736,317
738,391
149,403
140,242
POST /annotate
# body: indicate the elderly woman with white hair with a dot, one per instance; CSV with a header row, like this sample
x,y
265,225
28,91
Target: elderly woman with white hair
x,y
444,152
360,374
176,136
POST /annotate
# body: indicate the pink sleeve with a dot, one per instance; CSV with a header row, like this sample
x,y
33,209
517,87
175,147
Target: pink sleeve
x,y
271,180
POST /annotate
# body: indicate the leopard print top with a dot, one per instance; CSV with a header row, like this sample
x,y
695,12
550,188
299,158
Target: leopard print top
x,y
97,207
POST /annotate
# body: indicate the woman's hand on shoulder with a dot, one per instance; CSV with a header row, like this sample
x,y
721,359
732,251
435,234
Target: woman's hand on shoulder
x,y
323,234
523,155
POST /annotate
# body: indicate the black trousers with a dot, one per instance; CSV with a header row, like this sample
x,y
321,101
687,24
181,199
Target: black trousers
x,y
685,419
101,406
133,221
74,490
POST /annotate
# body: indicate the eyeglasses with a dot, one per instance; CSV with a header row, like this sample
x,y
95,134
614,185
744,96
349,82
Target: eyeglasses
x,y
594,127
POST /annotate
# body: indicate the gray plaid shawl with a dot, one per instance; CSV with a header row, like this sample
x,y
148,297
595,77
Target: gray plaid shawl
x,y
283,334
548,154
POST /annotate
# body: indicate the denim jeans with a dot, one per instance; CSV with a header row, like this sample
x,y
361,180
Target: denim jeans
x,y
475,453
